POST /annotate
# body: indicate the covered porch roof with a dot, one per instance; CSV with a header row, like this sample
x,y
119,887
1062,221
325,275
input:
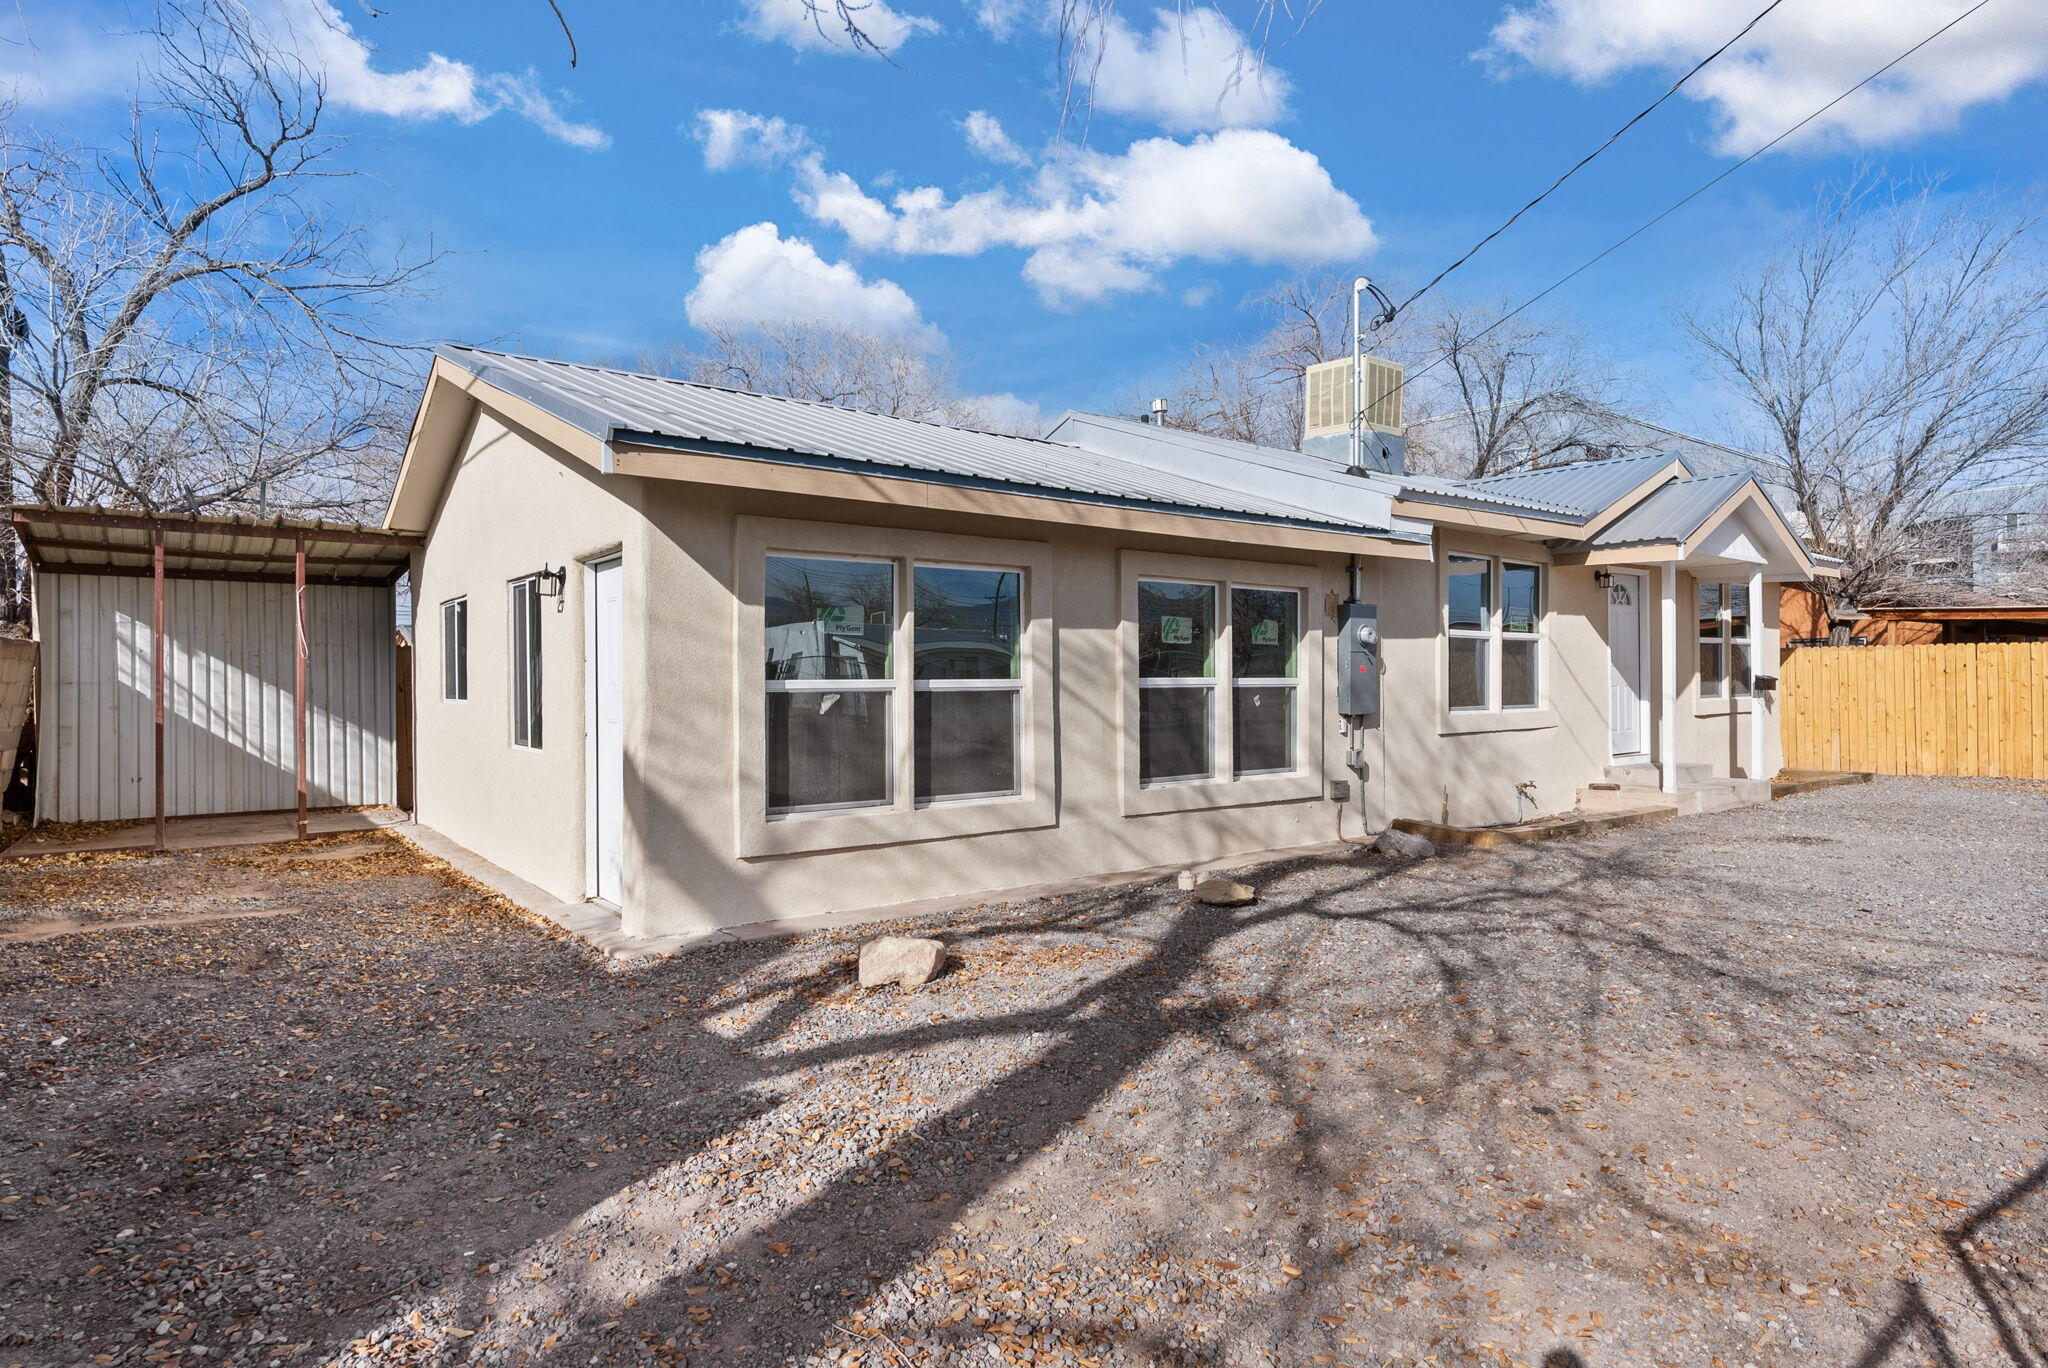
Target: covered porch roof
x,y
103,541
1705,524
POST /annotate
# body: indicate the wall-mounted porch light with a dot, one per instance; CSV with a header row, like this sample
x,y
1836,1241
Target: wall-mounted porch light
x,y
551,584
1603,578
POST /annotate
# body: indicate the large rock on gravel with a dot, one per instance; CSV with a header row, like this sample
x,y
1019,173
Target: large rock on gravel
x,y
1225,893
911,961
1404,845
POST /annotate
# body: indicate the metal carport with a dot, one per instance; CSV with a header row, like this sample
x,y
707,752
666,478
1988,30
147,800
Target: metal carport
x,y
193,665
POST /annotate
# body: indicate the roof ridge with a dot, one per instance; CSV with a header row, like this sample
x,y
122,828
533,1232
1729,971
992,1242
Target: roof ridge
x,y
735,389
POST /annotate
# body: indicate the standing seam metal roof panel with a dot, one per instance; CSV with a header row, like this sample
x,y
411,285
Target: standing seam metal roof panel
x,y
621,405
1672,513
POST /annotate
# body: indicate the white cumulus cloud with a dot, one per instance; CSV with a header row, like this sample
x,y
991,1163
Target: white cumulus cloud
x,y
1800,57
816,26
70,64
1193,70
1096,225
985,135
733,137
756,275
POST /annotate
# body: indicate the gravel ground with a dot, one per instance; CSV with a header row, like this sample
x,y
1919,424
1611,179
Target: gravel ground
x,y
1760,1088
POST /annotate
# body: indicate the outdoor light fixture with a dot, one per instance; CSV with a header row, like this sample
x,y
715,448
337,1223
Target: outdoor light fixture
x,y
551,583
1603,578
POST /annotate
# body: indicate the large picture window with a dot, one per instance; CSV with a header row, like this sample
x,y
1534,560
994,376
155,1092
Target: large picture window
x,y
1493,621
1186,672
829,651
455,650
525,639
969,681
1726,637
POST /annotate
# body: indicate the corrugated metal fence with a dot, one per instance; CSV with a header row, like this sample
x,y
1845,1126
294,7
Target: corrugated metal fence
x,y
17,676
228,697
1961,710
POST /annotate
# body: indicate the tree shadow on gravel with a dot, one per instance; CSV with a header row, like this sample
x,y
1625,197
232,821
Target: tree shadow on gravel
x,y
417,1174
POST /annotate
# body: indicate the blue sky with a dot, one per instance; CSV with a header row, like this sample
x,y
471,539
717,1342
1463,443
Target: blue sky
x,y
579,205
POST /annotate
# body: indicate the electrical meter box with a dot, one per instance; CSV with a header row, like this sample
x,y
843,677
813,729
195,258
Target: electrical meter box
x,y
1358,661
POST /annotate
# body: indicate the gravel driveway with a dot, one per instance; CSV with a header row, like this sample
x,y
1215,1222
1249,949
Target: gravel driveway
x,y
1759,1088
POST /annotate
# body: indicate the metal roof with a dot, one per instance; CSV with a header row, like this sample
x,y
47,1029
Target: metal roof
x,y
106,541
1575,492
1671,513
1297,478
648,410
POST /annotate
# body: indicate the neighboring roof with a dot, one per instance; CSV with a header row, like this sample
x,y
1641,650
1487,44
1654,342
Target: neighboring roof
x,y
1671,514
108,541
2004,612
1577,492
649,410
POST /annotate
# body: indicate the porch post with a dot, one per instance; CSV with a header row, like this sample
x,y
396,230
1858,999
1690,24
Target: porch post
x,y
299,674
1756,699
1667,679
156,662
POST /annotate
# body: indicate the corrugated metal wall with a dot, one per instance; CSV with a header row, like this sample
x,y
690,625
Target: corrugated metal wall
x,y
228,696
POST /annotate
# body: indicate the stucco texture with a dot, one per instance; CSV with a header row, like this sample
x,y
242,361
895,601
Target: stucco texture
x,y
693,850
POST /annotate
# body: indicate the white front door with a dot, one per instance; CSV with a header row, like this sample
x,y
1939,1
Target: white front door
x,y
606,713
1627,701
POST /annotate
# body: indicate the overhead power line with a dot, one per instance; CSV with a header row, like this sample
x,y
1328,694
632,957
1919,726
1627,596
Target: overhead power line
x,y
1619,243
1580,164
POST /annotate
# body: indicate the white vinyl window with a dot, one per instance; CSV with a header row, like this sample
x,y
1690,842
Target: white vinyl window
x,y
1493,622
455,650
1726,637
524,637
1265,632
1182,658
830,658
969,684
831,653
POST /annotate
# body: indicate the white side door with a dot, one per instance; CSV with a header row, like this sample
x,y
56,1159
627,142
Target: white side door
x,y
605,711
1627,709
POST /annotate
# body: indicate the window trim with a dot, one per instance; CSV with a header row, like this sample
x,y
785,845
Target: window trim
x,y
1224,787
1467,717
905,819
513,693
459,658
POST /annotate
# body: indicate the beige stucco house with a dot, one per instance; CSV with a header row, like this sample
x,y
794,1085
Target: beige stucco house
x,y
714,657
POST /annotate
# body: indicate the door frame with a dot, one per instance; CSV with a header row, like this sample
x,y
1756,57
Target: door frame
x,y
591,841
1643,628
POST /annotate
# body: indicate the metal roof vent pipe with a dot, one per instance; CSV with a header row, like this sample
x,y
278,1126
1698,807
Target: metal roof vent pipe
x,y
1157,418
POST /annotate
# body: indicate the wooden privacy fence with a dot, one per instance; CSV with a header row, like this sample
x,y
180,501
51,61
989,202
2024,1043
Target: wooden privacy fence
x,y
1962,710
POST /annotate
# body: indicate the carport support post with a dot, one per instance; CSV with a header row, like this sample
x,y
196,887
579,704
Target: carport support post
x,y
299,673
156,665
1667,682
1756,699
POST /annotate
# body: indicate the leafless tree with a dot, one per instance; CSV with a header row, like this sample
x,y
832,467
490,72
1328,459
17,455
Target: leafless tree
x,y
1492,397
1893,355
899,375
186,322
1479,402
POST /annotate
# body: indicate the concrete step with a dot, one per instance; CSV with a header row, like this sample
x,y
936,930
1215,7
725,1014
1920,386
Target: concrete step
x,y
1705,795
1643,774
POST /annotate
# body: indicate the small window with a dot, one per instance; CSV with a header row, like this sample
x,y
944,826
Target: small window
x,y
1726,638
1493,618
455,650
829,661
1176,681
525,639
968,681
